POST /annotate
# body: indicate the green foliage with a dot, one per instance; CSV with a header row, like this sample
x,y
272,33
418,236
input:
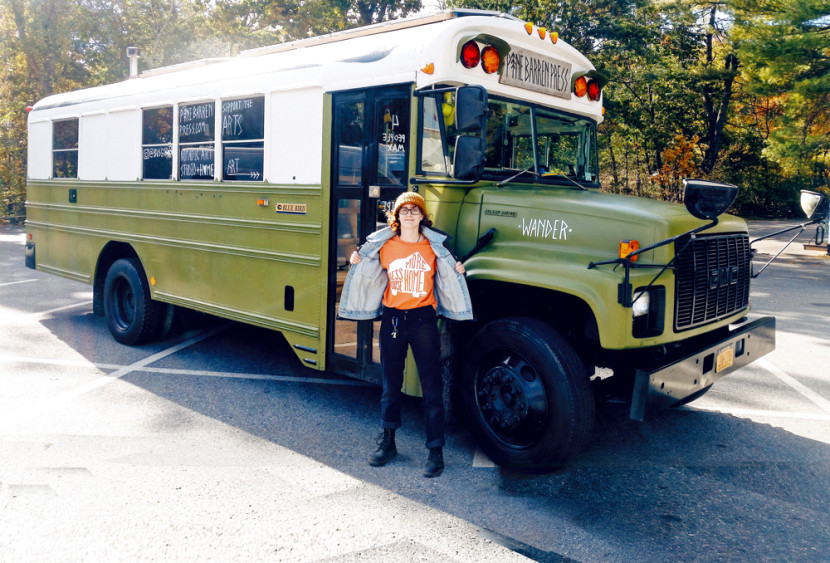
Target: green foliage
x,y
731,90
785,49
734,90
51,46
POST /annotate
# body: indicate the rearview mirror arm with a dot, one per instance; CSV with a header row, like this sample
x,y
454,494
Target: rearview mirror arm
x,y
800,228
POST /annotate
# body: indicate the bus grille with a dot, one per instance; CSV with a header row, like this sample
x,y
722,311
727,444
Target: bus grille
x,y
712,278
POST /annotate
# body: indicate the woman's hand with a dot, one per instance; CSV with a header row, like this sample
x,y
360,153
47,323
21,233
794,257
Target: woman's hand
x,y
459,267
355,258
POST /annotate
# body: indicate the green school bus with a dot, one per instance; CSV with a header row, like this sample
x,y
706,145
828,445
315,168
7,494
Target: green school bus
x,y
239,187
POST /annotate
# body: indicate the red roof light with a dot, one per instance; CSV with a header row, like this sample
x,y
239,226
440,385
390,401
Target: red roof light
x,y
470,54
593,90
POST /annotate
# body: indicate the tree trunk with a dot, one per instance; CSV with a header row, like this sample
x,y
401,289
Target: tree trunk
x,y
717,117
716,114
614,175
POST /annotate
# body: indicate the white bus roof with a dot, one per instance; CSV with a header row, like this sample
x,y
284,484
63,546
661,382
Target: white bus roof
x,y
393,52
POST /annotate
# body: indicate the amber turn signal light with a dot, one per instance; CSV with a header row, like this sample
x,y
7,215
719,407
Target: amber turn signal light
x,y
580,87
629,246
490,59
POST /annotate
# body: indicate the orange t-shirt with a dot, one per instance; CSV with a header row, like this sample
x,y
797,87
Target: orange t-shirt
x,y
411,269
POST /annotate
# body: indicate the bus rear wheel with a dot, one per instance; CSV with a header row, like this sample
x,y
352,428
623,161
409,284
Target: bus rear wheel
x,y
527,395
132,317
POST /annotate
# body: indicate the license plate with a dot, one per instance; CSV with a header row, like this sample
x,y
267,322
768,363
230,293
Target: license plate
x,y
726,357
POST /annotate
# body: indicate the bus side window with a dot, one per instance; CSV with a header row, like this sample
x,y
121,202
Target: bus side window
x,y
432,149
437,134
393,141
196,138
157,143
243,133
65,149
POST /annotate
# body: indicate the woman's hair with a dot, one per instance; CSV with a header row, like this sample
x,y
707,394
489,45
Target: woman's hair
x,y
407,198
395,224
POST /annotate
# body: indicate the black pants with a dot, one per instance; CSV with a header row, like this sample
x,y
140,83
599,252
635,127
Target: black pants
x,y
416,328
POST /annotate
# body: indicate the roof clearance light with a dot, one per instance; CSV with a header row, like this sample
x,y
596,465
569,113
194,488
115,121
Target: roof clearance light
x,y
542,32
554,36
580,87
529,28
470,54
593,90
490,59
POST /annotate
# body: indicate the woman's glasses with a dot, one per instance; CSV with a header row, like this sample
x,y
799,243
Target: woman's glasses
x,y
410,211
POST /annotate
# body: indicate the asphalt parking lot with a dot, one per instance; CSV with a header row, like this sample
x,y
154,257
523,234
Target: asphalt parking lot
x,y
215,445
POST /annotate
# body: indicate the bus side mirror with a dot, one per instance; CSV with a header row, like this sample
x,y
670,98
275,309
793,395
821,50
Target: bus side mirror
x,y
708,200
471,123
468,158
471,110
814,205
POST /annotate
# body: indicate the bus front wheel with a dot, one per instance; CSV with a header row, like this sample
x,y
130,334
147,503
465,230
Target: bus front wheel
x,y
527,395
132,317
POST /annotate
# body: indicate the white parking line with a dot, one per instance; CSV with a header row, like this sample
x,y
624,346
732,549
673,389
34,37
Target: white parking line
x,y
28,317
480,459
32,410
186,372
758,413
9,359
16,282
823,403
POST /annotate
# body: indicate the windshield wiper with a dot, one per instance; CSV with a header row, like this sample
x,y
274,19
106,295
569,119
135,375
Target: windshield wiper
x,y
517,174
568,178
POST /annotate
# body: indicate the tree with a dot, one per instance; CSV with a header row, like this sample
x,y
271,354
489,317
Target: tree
x,y
784,49
37,48
716,84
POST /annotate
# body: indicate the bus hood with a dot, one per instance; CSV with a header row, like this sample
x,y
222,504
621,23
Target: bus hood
x,y
588,223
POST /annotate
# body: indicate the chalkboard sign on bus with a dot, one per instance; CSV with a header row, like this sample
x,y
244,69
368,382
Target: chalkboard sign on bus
x,y
158,162
196,122
243,120
196,162
243,161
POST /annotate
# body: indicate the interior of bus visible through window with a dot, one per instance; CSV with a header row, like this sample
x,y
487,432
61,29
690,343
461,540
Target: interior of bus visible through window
x,y
551,146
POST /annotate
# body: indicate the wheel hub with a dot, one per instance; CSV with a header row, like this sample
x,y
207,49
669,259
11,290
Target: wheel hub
x,y
512,400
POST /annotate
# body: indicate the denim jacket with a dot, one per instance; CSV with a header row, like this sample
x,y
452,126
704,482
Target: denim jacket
x,y
366,281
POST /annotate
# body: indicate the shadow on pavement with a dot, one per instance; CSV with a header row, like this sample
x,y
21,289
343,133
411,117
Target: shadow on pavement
x,y
666,488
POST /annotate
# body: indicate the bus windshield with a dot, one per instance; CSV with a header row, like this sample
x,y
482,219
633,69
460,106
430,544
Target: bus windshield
x,y
525,143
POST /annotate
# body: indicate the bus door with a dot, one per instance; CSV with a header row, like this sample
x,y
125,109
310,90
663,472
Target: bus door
x,y
370,142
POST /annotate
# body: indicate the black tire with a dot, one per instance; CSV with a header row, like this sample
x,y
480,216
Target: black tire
x,y
527,395
132,317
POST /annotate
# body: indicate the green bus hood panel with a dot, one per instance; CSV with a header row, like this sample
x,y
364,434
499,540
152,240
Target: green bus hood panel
x,y
587,223
547,237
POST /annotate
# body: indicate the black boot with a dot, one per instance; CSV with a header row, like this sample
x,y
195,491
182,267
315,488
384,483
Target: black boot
x,y
386,448
435,462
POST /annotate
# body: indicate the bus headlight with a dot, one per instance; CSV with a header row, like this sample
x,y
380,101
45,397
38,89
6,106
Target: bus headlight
x,y
642,303
648,311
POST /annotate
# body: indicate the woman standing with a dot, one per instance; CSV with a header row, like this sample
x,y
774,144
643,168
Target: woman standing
x,y
405,275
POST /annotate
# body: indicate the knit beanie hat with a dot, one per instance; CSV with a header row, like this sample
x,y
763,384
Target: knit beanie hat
x,y
410,197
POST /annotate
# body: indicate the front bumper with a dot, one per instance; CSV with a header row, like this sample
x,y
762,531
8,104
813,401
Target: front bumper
x,y
694,373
